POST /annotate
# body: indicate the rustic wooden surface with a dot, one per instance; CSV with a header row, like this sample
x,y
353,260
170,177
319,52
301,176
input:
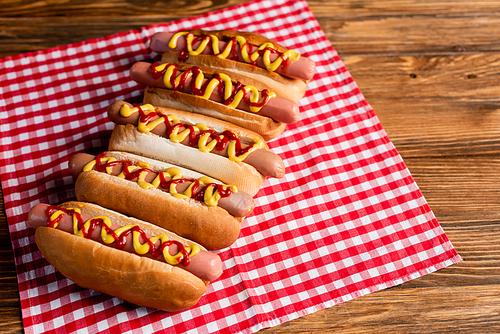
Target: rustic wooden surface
x,y
430,69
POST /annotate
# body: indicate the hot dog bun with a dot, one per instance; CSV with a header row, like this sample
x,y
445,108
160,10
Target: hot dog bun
x,y
139,280
245,176
211,226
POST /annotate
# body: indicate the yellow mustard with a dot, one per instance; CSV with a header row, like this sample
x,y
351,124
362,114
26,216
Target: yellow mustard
x,y
271,66
255,96
108,238
211,198
176,137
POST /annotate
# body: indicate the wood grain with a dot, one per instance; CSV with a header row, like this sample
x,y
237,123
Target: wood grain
x,y
430,71
475,309
10,308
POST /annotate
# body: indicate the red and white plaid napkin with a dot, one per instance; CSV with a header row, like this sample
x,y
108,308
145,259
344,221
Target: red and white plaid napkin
x,y
346,220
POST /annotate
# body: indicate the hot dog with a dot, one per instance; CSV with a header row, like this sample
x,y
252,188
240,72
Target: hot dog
x,y
194,141
278,108
121,256
222,94
284,71
180,200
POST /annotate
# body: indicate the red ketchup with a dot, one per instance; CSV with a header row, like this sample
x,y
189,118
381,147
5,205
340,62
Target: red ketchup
x,y
233,53
164,183
193,137
201,91
120,240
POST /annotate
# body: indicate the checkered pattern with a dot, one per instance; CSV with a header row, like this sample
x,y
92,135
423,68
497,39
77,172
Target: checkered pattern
x,y
346,220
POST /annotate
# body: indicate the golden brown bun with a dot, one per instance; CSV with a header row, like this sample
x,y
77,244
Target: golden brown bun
x,y
264,126
135,279
292,89
245,177
212,227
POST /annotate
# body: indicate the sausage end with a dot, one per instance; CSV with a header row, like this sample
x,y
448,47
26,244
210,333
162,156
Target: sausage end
x,y
37,215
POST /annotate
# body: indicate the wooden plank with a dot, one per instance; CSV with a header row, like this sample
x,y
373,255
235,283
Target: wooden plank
x,y
409,26
401,26
434,105
10,306
347,10
41,33
472,76
413,34
424,310
460,190
124,9
360,9
436,128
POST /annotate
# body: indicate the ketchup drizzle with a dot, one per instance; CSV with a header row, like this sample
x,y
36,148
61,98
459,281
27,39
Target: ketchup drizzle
x,y
233,53
164,183
193,137
121,240
236,88
195,70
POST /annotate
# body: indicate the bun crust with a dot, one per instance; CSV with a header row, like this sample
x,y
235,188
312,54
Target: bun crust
x,y
264,126
129,139
212,227
136,279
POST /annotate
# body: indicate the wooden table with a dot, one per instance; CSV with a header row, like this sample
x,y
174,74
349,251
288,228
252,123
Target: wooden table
x,y
430,69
